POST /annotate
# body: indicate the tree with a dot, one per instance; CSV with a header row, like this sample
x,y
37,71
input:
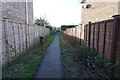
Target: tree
x,y
41,22
64,27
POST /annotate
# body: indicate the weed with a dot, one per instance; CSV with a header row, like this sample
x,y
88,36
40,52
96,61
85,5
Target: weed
x,y
85,60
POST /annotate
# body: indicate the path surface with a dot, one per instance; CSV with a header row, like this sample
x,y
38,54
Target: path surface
x,y
51,65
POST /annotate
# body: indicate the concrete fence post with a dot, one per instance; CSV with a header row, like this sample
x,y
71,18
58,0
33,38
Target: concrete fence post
x,y
7,40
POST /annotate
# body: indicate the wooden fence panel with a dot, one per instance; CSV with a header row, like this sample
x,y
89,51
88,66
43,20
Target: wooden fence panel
x,y
108,41
24,38
91,36
79,35
96,36
101,38
118,45
87,35
82,35
27,36
4,45
21,37
30,36
118,50
11,40
17,37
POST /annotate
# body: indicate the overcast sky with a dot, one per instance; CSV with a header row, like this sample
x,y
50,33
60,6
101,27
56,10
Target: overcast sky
x,y
58,12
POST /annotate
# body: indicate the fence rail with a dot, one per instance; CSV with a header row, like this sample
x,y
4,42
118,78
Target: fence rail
x,y
17,37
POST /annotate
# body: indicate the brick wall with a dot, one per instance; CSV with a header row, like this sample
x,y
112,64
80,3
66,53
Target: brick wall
x,y
17,11
99,11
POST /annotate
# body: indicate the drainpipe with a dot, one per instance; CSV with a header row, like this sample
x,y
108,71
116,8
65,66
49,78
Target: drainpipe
x,y
26,12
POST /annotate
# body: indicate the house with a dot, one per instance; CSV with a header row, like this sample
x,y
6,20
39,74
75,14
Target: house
x,y
18,11
98,11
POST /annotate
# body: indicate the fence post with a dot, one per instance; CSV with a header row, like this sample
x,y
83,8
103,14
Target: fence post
x,y
89,34
114,38
7,39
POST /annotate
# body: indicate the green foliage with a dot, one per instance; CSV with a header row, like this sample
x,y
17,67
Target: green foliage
x,y
62,42
95,59
41,22
64,27
59,29
110,65
30,69
50,27
66,49
49,40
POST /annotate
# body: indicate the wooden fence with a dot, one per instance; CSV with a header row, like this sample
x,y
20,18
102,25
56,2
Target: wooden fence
x,y
75,35
17,37
104,36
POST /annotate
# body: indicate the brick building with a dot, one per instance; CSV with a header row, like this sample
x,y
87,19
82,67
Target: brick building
x,y
98,11
18,11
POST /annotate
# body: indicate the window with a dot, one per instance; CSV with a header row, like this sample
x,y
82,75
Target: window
x,y
88,6
82,1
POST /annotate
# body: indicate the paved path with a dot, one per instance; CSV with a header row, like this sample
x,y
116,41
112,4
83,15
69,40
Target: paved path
x,y
51,64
